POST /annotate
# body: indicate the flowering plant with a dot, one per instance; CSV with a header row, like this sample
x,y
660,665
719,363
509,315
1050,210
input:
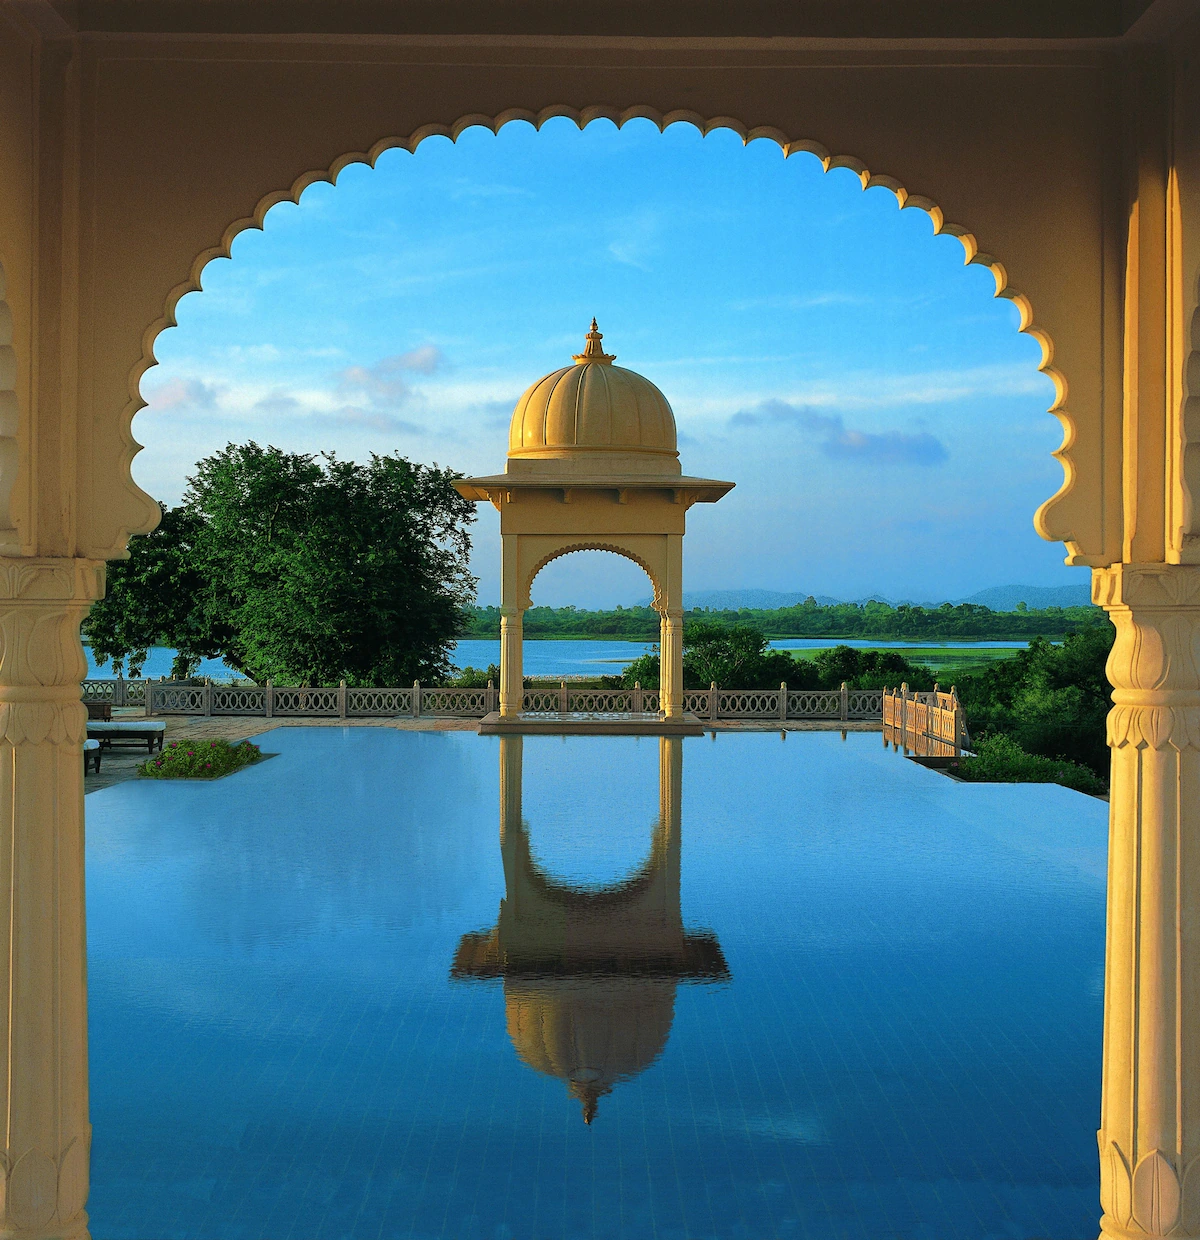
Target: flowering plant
x,y
199,759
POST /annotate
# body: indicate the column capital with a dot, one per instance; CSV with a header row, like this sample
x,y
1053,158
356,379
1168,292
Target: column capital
x,y
1146,586
42,604
44,580
1154,666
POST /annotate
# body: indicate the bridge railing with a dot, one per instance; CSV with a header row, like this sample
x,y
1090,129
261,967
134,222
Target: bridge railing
x,y
931,725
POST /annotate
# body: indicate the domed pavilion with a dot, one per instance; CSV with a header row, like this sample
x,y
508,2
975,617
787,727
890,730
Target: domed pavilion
x,y
593,464
590,974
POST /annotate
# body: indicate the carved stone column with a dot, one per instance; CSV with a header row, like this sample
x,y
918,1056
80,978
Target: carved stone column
x,y
1150,1114
671,664
44,1086
512,681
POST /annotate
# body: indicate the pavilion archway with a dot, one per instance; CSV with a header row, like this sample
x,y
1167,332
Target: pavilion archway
x,y
136,151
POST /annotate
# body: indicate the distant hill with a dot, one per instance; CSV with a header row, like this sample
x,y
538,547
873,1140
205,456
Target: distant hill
x,y
998,598
1006,598
765,600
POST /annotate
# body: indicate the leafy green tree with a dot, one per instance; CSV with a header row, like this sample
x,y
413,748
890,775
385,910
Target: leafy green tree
x,y
311,570
1052,700
735,657
153,593
869,669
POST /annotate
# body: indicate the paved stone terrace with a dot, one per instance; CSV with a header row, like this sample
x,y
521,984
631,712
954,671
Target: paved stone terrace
x,y
120,764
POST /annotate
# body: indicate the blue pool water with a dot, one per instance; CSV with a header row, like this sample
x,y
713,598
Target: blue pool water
x,y
804,987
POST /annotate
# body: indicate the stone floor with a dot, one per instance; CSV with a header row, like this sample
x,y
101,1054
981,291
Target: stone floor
x,y
117,765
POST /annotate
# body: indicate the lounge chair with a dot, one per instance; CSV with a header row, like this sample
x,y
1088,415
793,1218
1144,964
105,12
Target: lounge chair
x,y
128,731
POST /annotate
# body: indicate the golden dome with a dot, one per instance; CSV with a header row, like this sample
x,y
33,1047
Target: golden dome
x,y
598,409
590,1032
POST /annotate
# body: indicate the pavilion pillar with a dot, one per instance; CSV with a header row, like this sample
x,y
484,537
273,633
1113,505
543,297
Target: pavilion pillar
x,y
513,599
670,803
1150,1112
43,1089
670,649
512,679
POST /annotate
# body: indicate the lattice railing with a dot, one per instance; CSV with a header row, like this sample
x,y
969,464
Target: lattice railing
x,y
748,703
864,704
169,699
604,701
378,703
471,703
303,701
118,692
172,698
814,704
239,700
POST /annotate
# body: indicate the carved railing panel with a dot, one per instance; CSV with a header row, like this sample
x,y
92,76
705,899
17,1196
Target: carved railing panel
x,y
471,703
378,703
169,699
748,703
239,700
601,701
814,704
305,701
865,703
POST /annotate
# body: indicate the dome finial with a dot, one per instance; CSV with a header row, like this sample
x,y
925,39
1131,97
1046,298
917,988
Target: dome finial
x,y
592,351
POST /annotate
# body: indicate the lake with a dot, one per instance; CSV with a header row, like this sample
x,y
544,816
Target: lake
x,y
569,658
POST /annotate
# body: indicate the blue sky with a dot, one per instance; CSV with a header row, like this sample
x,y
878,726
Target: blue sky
x,y
874,402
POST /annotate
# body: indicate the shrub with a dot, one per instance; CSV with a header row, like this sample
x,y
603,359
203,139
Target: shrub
x,y
476,677
196,759
999,759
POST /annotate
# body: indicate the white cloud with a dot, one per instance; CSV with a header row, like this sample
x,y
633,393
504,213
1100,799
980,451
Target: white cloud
x,y
840,442
386,382
182,394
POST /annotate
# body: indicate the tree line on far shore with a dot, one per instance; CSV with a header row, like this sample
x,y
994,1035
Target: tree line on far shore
x,y
873,621
1048,702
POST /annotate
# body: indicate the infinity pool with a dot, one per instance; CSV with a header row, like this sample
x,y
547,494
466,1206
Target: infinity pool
x,y
393,984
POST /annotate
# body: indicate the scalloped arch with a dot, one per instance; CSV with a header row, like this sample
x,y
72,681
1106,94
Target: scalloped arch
x,y
611,548
582,117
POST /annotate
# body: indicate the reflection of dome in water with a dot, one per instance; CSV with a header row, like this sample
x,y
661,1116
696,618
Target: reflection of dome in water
x,y
594,407
590,1032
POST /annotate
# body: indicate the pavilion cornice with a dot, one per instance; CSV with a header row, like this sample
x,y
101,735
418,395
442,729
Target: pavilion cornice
x,y
682,489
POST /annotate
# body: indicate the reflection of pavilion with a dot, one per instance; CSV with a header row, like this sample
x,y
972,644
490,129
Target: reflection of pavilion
x,y
590,975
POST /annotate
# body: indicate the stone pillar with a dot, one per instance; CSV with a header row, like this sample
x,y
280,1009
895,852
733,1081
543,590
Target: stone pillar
x,y
42,957
670,806
670,649
512,756
1150,1113
512,691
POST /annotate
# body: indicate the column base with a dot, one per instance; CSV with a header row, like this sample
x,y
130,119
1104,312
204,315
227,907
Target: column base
x,y
575,723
